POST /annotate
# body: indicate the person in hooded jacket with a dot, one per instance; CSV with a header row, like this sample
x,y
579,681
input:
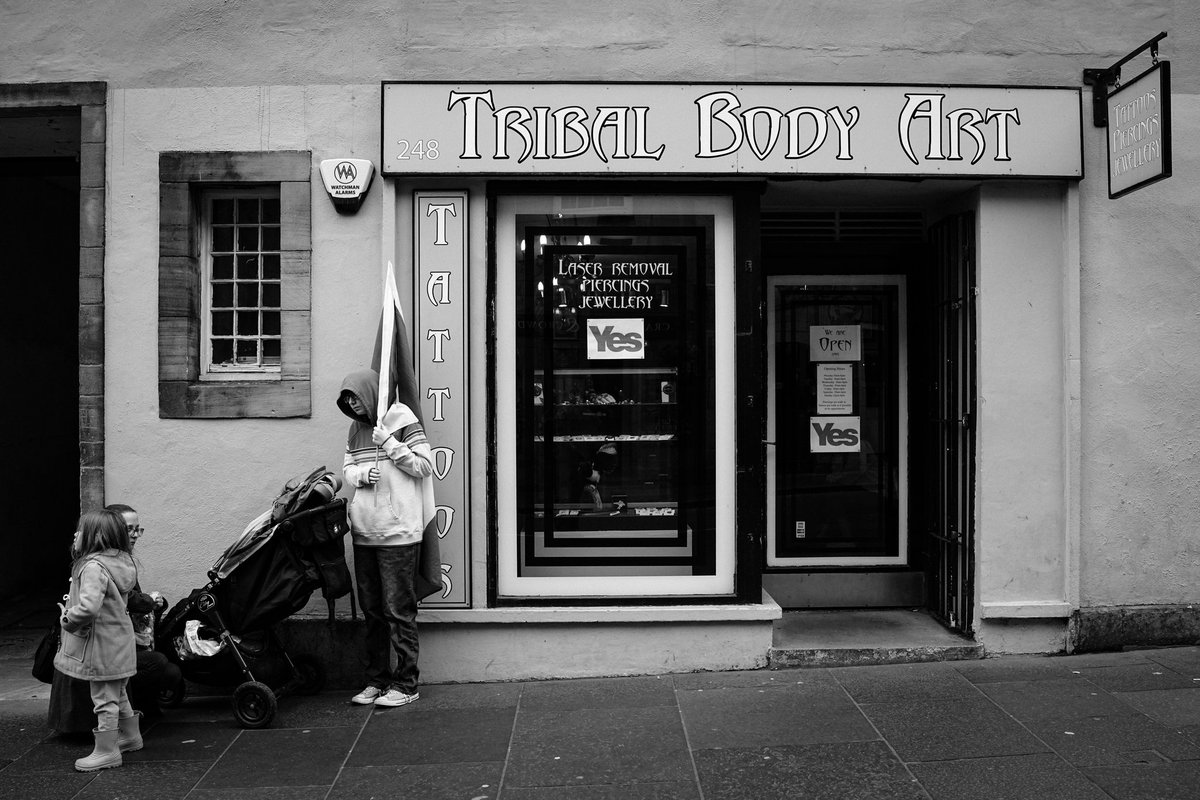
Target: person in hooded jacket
x,y
97,642
386,463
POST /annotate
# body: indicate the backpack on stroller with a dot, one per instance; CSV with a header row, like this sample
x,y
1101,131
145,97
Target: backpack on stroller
x,y
221,634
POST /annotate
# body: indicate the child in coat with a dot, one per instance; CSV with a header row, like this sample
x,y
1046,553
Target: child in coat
x,y
97,635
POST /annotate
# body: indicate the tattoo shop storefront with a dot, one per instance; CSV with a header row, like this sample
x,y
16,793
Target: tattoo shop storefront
x,y
694,354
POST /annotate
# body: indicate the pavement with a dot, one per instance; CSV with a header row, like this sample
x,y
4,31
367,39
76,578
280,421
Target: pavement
x,y
1119,725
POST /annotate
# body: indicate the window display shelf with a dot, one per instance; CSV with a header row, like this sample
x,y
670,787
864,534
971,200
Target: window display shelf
x,y
645,437
623,370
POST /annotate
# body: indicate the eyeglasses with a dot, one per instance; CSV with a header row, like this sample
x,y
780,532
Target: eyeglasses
x,y
134,530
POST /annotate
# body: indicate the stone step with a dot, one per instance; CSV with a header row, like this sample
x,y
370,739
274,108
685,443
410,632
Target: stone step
x,y
784,657
843,638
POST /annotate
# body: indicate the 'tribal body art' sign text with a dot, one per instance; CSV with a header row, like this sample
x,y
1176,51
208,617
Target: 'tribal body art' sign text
x,y
547,128
1139,131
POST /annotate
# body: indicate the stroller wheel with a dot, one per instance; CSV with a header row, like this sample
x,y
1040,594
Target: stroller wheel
x,y
172,697
310,673
254,704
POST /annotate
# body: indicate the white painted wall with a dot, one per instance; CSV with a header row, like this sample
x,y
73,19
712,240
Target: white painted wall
x,y
1140,336
197,483
1021,513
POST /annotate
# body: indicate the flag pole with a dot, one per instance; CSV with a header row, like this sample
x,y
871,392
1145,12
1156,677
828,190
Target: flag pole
x,y
387,333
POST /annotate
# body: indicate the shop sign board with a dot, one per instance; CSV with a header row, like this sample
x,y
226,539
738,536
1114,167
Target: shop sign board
x,y
1139,131
440,327
731,129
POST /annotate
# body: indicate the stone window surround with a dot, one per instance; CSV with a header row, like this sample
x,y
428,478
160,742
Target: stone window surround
x,y
182,178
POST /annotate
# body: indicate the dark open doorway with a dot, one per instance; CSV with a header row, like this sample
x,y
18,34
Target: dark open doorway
x,y
39,328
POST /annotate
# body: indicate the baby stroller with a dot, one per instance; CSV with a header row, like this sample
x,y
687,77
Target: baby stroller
x,y
221,634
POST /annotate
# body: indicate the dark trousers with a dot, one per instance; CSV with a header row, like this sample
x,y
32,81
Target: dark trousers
x,y
386,578
155,672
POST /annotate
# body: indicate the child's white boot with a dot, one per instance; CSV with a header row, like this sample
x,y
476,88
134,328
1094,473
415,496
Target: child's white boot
x,y
105,755
130,730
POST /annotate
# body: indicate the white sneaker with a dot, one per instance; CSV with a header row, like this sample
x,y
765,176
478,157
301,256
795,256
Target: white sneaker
x,y
395,697
367,696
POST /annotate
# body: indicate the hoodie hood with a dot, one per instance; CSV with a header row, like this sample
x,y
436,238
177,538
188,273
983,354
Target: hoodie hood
x,y
119,565
363,384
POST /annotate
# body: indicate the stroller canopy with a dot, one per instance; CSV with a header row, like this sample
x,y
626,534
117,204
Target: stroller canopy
x,y
256,534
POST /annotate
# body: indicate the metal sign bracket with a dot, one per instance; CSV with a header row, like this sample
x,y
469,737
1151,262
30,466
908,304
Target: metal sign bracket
x,y
1102,78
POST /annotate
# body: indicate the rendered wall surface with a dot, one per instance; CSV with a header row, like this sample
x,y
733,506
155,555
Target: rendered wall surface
x,y
197,483
1020,513
1140,336
305,75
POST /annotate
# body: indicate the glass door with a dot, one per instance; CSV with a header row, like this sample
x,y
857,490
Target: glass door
x,y
613,327
837,421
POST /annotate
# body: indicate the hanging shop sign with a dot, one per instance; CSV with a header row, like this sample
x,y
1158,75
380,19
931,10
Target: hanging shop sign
x,y
752,129
1139,131
440,274
1136,117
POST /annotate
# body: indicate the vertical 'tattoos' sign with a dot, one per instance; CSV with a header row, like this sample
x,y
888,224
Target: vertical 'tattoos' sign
x,y
440,334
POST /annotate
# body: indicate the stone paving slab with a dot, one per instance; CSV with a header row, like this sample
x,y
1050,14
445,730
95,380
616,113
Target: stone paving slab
x,y
765,717
145,780
413,735
1017,668
1174,707
598,746
904,682
1024,777
836,771
1100,741
753,679
279,758
636,692
1178,781
1069,698
424,781
659,790
1136,677
1180,659
944,730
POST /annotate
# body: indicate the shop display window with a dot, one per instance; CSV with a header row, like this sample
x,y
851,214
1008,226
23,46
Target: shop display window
x,y
614,402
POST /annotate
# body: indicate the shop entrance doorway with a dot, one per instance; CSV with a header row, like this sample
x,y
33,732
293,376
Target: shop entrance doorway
x,y
869,459
846,466
837,460
837,465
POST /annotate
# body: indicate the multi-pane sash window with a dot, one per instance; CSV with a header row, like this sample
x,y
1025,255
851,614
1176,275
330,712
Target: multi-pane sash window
x,y
242,286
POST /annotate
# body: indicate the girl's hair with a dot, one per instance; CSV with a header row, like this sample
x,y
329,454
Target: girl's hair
x,y
101,530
